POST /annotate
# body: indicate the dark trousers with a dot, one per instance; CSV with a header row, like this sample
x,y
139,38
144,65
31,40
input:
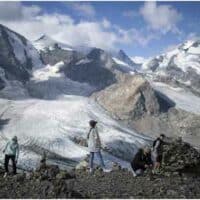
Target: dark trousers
x,y
7,158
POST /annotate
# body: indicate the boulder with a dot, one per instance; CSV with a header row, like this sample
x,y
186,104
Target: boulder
x,y
83,165
116,167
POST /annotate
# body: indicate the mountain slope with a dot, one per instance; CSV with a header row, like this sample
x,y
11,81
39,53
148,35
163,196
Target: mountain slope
x,y
17,55
179,67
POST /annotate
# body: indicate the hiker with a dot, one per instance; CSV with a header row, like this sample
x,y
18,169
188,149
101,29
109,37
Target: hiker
x,y
11,152
157,151
94,144
141,161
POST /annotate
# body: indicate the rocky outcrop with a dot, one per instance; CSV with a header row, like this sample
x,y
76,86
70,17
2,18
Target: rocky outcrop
x,y
178,178
58,54
131,98
96,69
48,182
180,157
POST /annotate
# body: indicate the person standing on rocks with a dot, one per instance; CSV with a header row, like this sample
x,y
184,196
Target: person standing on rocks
x,y
141,161
11,151
94,144
158,151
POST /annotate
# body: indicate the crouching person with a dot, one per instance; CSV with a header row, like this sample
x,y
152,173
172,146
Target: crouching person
x,y
141,161
11,153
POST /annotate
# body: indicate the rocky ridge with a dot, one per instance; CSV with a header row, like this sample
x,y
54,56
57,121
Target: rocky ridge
x,y
178,178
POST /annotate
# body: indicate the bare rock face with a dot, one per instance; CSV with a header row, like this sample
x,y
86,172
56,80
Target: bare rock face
x,y
131,97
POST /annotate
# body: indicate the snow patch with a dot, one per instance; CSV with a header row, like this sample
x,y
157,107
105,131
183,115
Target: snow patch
x,y
45,42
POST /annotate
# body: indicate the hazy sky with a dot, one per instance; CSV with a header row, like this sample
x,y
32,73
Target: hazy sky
x,y
140,28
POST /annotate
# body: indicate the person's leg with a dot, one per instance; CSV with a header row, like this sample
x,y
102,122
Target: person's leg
x,y
101,159
14,164
91,160
132,170
6,161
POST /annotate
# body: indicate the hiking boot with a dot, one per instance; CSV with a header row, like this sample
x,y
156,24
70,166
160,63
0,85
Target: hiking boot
x,y
106,170
91,171
5,175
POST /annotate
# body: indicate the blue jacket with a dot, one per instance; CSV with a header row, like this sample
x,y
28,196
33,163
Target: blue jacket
x,y
12,148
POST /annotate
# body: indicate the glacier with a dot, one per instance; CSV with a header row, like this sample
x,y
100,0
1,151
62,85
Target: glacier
x,y
49,122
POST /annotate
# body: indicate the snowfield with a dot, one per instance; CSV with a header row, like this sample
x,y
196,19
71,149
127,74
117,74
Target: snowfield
x,y
52,125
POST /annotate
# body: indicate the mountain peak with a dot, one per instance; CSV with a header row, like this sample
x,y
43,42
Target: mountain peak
x,y
46,42
125,58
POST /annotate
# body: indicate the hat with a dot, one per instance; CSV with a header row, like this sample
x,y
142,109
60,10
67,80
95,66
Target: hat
x,y
92,123
14,138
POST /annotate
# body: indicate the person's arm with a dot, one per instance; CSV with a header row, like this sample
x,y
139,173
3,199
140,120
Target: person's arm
x,y
98,137
5,147
157,144
88,135
17,153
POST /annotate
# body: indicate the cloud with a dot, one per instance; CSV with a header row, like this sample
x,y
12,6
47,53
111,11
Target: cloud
x,y
193,36
135,36
83,9
15,11
163,18
130,13
10,11
32,22
106,23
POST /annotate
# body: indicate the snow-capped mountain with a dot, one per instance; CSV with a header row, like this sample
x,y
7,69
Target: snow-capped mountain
x,y
17,56
53,108
180,66
121,55
82,63
46,43
53,52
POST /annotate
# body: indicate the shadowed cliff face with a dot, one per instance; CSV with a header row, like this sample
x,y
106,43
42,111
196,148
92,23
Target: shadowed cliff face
x,y
17,55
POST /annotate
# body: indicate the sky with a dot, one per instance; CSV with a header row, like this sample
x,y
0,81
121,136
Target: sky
x,y
143,29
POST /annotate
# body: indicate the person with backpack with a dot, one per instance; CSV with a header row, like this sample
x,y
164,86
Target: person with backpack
x,y
94,145
11,151
141,161
157,151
